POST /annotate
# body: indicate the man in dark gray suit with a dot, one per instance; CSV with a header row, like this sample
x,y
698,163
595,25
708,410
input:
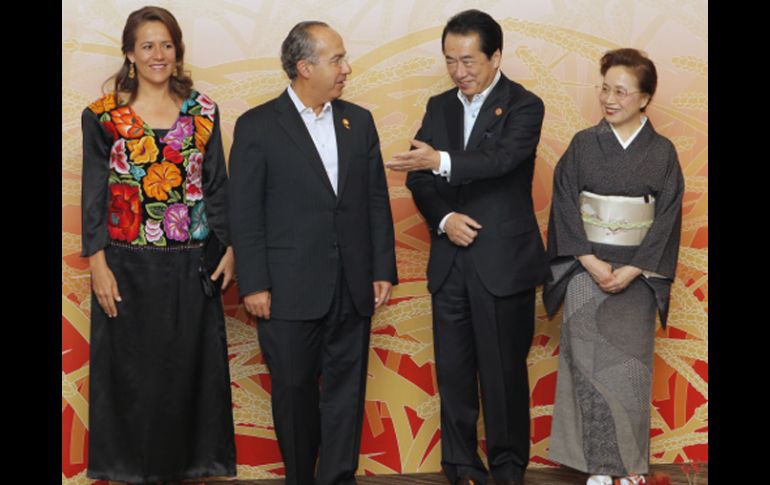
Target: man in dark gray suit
x,y
313,238
471,178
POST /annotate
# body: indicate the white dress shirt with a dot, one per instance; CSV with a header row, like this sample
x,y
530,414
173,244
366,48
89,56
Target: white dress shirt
x,y
470,113
321,129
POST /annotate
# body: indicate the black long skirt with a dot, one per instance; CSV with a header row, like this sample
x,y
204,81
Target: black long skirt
x,y
160,402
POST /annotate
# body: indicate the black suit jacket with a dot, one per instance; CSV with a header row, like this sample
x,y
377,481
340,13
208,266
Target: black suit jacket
x,y
290,232
491,181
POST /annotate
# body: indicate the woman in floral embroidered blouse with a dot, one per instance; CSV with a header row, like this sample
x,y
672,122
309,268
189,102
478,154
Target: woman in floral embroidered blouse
x,y
154,192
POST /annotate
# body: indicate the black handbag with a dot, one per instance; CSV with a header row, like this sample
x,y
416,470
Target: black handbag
x,y
212,253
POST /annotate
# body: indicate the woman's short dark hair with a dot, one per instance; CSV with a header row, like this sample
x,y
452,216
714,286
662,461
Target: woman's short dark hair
x,y
638,63
476,22
179,83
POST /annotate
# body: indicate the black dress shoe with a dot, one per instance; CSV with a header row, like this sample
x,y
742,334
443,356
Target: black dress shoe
x,y
510,482
467,481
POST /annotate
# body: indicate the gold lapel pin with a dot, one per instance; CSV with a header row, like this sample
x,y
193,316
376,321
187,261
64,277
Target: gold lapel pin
x,y
346,123
499,111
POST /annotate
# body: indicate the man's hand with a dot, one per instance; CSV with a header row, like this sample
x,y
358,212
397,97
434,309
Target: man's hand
x,y
258,304
423,157
382,291
461,229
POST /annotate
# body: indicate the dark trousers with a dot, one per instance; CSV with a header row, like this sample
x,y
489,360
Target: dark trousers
x,y
477,333
319,421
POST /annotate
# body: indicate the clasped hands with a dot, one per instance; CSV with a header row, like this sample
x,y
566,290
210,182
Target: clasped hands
x,y
608,280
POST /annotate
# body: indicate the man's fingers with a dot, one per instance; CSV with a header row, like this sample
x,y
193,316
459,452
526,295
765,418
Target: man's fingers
x,y
251,309
400,165
471,222
266,307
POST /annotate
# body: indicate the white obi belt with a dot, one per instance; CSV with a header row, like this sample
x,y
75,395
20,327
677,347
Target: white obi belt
x,y
616,220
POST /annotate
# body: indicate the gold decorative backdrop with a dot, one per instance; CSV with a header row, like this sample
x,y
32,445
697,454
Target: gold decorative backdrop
x,y
553,49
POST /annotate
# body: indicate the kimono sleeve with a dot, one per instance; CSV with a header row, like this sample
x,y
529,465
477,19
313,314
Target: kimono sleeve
x,y
660,248
566,236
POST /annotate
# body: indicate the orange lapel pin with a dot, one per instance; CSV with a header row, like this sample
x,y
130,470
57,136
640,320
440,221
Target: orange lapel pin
x,y
346,123
499,111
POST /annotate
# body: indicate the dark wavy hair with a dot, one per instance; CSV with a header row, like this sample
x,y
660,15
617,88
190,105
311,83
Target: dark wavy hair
x,y
638,63
179,83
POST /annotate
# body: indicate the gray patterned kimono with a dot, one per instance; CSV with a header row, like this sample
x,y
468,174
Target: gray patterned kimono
x,y
601,421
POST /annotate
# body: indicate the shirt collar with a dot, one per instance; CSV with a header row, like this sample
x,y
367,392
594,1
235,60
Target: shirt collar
x,y
631,138
482,95
301,108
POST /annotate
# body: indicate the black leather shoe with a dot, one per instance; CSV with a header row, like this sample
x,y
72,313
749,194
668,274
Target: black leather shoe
x,y
466,481
510,482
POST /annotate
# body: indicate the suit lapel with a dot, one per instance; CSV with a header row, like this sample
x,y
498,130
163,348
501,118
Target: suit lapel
x,y
453,115
491,111
342,131
292,123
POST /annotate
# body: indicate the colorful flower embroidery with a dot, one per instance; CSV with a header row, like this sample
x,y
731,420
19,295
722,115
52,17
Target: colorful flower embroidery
x,y
194,184
188,103
203,128
199,227
105,103
172,155
160,179
143,150
153,230
118,158
156,183
125,212
183,128
137,172
176,222
110,127
127,123
207,105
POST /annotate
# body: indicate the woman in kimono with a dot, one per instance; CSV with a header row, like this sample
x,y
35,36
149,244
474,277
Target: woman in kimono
x,y
613,241
154,194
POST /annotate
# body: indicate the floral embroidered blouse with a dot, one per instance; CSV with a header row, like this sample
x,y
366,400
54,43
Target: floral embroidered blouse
x,y
149,188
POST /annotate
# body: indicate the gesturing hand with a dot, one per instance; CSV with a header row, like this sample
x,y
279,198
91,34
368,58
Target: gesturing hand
x,y
423,157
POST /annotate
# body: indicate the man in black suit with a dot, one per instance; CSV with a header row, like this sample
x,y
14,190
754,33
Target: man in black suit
x,y
471,178
314,248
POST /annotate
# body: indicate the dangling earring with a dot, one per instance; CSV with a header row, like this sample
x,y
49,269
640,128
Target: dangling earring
x,y
132,71
176,71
